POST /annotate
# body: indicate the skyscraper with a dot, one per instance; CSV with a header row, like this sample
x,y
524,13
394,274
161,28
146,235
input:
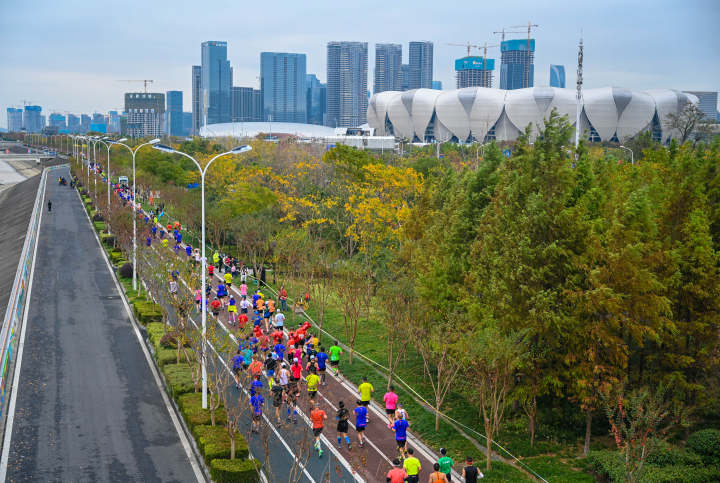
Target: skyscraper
x,y
196,99
144,114
474,72
516,64
84,123
73,123
421,65
174,111
245,105
708,103
57,120
557,75
282,82
388,59
14,119
316,99
404,77
32,122
113,122
216,80
187,118
347,100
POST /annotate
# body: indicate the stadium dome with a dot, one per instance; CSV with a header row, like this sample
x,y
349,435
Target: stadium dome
x,y
481,114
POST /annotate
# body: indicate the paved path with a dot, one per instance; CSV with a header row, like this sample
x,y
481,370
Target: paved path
x,y
88,408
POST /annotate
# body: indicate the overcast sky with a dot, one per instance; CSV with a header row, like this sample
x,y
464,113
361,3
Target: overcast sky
x,y
67,55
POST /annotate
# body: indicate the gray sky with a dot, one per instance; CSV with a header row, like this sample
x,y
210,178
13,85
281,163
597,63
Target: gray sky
x,y
67,55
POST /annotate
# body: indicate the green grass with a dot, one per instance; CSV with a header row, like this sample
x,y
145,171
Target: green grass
x,y
553,469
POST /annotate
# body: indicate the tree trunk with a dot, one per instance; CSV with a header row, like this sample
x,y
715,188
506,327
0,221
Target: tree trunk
x,y
533,424
437,410
588,428
488,451
232,447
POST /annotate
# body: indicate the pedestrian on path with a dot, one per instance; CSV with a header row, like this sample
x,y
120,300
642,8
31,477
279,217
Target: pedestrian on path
x,y
277,397
317,416
446,463
312,381
391,400
396,474
437,476
470,471
360,421
322,358
400,428
232,311
366,389
412,467
49,206
342,425
335,352
257,402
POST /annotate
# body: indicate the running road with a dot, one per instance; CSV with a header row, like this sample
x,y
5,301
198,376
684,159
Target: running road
x,y
88,407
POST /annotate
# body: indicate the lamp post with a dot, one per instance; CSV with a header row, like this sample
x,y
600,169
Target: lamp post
x,y
203,303
134,202
632,155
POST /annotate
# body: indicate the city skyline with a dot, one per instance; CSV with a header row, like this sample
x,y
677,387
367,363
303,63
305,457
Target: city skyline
x,y
85,80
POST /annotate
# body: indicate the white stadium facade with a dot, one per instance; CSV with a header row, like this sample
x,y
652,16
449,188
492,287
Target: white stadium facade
x,y
481,114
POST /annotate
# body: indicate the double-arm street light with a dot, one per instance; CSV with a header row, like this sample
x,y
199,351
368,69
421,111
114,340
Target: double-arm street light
x,y
632,155
134,201
203,303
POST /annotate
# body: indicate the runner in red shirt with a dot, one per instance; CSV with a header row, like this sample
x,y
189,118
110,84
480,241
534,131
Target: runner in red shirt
x,y
277,336
296,370
397,474
242,320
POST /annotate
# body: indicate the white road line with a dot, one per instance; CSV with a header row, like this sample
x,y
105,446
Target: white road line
x,y
199,475
21,347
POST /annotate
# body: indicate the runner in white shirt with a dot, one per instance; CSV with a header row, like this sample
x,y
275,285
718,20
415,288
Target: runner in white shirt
x,y
279,320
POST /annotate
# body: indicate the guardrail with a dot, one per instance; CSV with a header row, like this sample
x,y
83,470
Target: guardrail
x,y
18,295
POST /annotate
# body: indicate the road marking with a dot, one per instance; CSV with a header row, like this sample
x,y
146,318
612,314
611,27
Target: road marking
x,y
199,475
21,347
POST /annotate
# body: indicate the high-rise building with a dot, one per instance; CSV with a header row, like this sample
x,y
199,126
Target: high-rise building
x,y
516,64
347,100
196,99
388,59
113,122
216,81
73,123
187,118
282,82
708,103
174,112
437,85
474,72
14,119
557,76
32,122
85,121
404,77
316,99
57,120
246,104
145,113
421,65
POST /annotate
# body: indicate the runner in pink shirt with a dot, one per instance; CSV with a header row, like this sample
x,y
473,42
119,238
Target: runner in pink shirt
x,y
243,289
391,400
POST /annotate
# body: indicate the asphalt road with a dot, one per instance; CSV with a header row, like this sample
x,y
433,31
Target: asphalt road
x,y
88,408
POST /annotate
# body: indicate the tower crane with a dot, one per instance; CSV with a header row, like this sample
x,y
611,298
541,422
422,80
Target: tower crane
x,y
484,48
467,45
144,81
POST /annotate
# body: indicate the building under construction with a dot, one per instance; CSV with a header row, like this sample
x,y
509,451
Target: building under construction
x,y
474,72
517,69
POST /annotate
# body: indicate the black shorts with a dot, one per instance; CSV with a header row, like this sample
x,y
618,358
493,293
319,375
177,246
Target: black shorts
x,y
321,370
317,432
389,411
365,403
412,479
342,426
311,394
335,363
400,443
277,404
360,429
236,371
257,417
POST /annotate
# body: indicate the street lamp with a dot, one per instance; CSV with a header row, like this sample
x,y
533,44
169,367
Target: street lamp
x,y
134,202
203,304
632,155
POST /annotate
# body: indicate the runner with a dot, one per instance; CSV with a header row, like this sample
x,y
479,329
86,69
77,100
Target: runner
x,y
256,385
216,260
243,289
228,279
277,397
400,428
437,476
284,376
232,311
238,363
470,472
257,402
322,358
221,291
292,394
366,389
279,349
445,463
198,299
312,381
335,352
396,474
360,421
312,366
270,364
215,306
296,370
318,416
342,425
245,305
391,400
279,321
412,467
283,296
401,413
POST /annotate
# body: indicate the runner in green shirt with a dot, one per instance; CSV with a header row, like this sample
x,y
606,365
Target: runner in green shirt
x,y
335,352
446,463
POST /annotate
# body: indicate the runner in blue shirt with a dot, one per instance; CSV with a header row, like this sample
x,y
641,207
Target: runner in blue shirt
x,y
256,386
400,428
148,241
257,402
360,421
321,358
238,361
154,231
279,350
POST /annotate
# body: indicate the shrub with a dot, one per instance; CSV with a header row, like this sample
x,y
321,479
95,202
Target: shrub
x,y
178,379
234,471
664,454
166,356
706,443
214,443
155,331
126,270
607,465
147,311
99,226
98,217
190,405
679,474
169,341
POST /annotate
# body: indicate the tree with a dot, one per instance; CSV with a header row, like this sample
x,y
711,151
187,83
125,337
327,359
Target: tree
x,y
490,365
355,291
398,314
686,121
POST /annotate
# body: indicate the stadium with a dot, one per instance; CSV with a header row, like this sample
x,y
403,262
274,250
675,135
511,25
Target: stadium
x,y
482,114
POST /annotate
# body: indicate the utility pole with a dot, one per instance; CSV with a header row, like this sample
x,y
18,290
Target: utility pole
x,y
579,92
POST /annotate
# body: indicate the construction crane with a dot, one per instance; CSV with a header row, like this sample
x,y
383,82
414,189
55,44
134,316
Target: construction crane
x,y
503,32
26,103
484,48
467,45
144,81
529,26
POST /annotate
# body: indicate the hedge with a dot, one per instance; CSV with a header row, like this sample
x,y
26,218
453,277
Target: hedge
x,y
214,443
166,356
679,474
706,443
147,312
178,378
99,226
155,331
234,471
190,405
607,465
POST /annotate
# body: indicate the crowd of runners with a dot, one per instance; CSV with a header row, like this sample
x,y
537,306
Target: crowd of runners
x,y
283,367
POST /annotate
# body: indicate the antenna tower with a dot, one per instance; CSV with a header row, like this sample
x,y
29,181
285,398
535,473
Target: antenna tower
x,y
579,91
